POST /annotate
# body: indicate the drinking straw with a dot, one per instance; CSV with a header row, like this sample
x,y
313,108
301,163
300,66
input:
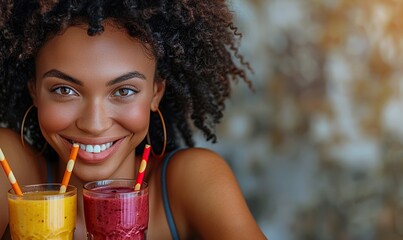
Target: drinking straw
x,y
69,168
9,174
142,168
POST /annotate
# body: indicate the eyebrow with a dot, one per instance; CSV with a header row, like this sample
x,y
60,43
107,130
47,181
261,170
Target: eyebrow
x,y
58,74
126,76
122,78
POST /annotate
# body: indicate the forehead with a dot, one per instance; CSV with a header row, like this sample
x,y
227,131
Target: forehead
x,y
76,48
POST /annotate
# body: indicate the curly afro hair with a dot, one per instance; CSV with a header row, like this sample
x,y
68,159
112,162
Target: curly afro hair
x,y
195,43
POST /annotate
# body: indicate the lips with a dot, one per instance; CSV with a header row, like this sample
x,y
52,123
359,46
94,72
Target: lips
x,y
96,153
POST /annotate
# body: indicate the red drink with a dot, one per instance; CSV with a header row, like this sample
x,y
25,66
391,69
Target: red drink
x,y
113,210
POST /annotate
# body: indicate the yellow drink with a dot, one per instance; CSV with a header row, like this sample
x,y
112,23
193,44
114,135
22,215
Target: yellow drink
x,y
43,213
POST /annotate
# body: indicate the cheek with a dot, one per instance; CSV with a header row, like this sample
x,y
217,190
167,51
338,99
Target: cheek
x,y
134,118
54,117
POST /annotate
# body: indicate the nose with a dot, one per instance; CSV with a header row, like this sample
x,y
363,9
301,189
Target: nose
x,y
94,118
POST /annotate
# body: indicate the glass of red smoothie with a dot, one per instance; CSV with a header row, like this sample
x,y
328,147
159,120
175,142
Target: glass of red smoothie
x,y
113,210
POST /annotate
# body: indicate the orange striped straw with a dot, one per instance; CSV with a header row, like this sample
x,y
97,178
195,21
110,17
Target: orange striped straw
x,y
9,174
142,168
69,168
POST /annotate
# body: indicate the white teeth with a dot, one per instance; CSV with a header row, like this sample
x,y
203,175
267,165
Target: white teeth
x,y
89,148
95,148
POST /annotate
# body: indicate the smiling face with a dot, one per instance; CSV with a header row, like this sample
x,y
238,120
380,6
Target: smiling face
x,y
97,91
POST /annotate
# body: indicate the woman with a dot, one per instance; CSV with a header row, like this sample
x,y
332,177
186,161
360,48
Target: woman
x,y
112,76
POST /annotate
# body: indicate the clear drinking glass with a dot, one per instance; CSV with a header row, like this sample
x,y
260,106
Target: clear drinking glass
x,y
113,210
42,212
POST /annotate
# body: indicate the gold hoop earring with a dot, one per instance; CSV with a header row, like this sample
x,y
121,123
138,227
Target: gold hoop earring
x,y
22,131
23,123
165,137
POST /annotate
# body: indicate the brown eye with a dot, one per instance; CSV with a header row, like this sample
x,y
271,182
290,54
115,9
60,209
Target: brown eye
x,y
124,92
64,91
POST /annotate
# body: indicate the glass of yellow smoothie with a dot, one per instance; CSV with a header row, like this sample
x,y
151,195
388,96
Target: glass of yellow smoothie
x,y
42,212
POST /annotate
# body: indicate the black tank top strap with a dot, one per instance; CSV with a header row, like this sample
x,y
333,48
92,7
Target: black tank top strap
x,y
167,208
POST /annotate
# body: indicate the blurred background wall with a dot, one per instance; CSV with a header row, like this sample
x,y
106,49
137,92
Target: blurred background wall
x,y
317,148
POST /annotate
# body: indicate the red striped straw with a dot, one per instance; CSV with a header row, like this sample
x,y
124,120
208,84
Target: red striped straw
x,y
69,168
142,169
9,174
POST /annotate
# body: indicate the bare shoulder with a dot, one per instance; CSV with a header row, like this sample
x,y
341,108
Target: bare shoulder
x,y
7,133
25,164
9,139
10,143
206,196
197,157
23,160
197,167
